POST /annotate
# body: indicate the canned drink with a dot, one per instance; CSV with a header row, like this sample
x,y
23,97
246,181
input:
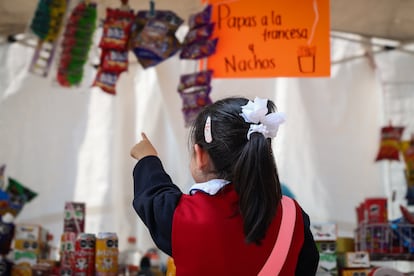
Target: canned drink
x,y
106,256
85,254
67,253
74,217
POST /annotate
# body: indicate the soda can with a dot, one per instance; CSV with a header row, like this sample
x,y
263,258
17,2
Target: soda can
x,y
85,254
106,256
74,217
67,253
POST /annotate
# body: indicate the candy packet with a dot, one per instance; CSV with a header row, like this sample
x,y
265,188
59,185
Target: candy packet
x,y
199,50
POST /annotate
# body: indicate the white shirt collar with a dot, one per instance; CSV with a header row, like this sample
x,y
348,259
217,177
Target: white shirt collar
x,y
210,187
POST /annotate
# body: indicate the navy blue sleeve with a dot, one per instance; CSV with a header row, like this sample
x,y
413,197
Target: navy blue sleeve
x,y
309,255
155,200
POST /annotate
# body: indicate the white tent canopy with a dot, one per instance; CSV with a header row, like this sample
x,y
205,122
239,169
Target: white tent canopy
x,y
73,144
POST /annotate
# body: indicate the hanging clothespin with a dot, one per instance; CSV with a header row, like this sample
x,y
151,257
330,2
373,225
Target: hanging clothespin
x,y
124,5
152,8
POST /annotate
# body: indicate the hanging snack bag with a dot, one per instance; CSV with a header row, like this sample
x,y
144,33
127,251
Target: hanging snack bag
x,y
116,29
41,19
106,81
76,44
200,19
194,102
156,41
199,34
202,78
57,12
114,61
19,196
390,143
199,49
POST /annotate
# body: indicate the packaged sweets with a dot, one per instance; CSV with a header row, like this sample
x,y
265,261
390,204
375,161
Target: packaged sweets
x,y
153,39
106,256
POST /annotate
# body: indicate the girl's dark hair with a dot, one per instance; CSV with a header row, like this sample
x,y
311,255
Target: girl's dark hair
x,y
248,164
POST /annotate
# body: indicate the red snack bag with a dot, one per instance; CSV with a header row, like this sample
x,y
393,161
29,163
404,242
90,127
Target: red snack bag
x,y
199,49
114,61
201,33
390,143
106,81
202,78
117,29
201,18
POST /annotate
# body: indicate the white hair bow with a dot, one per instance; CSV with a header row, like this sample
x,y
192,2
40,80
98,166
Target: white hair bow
x,y
255,113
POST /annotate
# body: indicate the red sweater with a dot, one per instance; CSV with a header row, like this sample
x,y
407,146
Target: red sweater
x,y
207,238
204,233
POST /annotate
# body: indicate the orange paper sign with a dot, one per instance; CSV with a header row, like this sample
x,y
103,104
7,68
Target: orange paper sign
x,y
263,38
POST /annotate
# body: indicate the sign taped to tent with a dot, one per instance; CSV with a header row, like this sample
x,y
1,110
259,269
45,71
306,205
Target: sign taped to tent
x,y
270,38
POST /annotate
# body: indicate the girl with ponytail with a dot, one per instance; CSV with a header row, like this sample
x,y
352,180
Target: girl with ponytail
x,y
234,220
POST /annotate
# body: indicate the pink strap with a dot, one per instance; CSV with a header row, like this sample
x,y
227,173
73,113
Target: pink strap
x,y
280,250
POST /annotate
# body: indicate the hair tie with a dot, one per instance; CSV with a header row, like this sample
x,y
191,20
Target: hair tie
x,y
254,112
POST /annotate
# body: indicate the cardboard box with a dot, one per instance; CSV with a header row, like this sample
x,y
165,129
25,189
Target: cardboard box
x,y
324,231
357,259
32,238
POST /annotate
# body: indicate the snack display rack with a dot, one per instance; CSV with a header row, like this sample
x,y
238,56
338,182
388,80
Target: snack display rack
x,y
386,241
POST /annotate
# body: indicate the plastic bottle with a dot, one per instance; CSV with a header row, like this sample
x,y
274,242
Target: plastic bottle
x,y
130,258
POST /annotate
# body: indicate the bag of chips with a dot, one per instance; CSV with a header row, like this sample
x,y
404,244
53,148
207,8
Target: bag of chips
x,y
154,37
106,81
390,143
202,78
201,18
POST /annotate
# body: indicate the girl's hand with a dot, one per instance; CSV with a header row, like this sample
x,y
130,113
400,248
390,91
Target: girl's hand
x,y
143,148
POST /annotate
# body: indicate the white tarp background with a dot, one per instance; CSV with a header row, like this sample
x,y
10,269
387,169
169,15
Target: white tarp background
x,y
73,144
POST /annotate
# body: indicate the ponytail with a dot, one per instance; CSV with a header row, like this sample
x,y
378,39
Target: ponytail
x,y
256,181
